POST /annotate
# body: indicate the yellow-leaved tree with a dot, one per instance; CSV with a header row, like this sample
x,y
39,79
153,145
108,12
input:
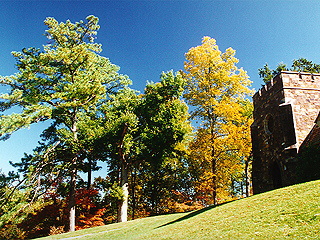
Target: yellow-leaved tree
x,y
218,92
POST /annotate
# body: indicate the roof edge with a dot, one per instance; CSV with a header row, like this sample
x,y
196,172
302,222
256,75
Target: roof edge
x,y
303,73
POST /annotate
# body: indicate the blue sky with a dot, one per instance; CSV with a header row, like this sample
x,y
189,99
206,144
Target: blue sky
x,y
147,37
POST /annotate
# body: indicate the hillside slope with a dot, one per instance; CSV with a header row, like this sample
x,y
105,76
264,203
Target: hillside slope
x,y
287,213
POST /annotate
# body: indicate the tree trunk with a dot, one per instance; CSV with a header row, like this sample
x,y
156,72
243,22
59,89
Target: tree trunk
x,y
73,181
214,165
123,205
89,173
133,195
246,169
72,199
214,181
155,194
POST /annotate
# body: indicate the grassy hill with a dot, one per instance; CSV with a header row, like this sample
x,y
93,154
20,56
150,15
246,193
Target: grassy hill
x,y
287,213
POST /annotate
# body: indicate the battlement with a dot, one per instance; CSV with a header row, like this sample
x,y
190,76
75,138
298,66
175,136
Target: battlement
x,y
288,80
268,90
268,86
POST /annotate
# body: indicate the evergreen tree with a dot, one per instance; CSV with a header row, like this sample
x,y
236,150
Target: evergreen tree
x,y
298,65
64,82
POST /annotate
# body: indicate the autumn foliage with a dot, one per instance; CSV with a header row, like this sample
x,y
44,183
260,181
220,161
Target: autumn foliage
x,y
90,215
218,91
51,218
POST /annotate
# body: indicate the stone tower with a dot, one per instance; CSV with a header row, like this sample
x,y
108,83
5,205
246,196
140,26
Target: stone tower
x,y
285,110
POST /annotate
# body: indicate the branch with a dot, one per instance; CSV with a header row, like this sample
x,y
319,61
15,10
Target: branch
x,y
51,149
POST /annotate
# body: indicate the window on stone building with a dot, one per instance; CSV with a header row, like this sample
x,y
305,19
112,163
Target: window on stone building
x,y
269,124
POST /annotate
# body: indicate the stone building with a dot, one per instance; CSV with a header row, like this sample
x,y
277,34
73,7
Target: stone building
x,y
285,111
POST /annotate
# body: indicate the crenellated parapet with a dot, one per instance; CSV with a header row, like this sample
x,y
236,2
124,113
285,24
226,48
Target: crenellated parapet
x,y
288,85
267,91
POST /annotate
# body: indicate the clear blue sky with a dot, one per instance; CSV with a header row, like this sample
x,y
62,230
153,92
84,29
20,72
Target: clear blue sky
x,y
147,37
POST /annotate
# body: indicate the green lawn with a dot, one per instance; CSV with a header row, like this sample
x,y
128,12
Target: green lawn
x,y
287,213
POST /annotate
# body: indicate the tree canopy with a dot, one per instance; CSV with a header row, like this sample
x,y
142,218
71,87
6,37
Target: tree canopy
x,y
298,65
217,89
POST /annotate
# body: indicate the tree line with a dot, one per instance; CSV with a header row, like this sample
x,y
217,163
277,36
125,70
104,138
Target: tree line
x,y
298,65
161,156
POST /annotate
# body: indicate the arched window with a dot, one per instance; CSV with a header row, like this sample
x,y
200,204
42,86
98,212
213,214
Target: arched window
x,y
269,124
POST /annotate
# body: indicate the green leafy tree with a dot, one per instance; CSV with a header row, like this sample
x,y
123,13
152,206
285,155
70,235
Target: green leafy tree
x,y
64,82
121,132
267,74
304,65
164,118
142,131
165,132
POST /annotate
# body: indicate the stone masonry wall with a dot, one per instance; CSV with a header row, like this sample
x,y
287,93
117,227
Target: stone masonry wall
x,y
266,144
303,90
284,113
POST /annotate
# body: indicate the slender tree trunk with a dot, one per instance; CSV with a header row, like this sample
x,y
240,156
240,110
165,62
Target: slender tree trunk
x,y
72,199
133,195
89,174
73,181
123,206
246,170
214,165
214,180
155,194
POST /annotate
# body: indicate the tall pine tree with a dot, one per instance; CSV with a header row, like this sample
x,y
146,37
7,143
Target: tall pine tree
x,y
63,82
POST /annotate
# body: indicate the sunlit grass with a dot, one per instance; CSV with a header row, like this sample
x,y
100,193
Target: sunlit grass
x,y
287,213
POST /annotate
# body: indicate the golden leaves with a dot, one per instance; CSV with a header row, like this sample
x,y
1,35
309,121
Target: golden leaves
x,y
217,89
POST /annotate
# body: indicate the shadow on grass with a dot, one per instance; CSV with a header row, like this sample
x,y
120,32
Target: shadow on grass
x,y
190,215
